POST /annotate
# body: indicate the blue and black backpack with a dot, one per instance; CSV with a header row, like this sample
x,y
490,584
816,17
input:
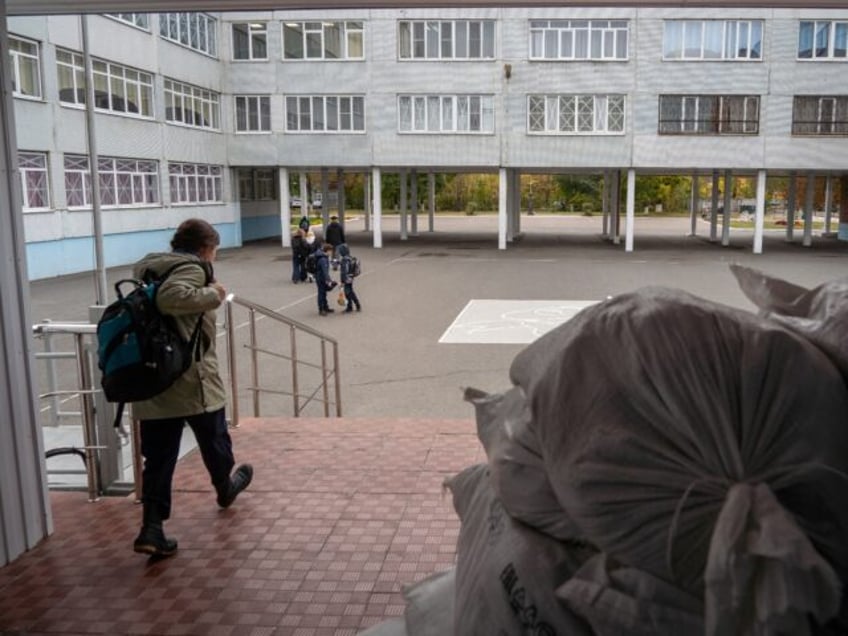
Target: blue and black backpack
x,y
139,349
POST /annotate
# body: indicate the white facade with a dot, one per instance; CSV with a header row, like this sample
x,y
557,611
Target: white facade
x,y
491,93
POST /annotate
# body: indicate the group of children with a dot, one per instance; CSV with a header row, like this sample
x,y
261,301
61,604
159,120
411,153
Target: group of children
x,y
333,253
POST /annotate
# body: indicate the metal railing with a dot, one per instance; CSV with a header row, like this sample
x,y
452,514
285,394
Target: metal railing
x,y
300,384
315,376
84,390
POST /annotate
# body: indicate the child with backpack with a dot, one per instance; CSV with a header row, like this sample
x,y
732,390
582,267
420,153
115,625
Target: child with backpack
x,y
323,280
349,269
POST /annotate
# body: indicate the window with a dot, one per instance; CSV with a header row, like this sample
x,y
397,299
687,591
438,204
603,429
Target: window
x,y
117,89
250,41
257,184
712,39
195,183
446,39
197,31
34,182
123,182
709,114
822,40
446,114
26,73
140,20
191,106
325,113
578,39
253,113
575,114
820,115
323,41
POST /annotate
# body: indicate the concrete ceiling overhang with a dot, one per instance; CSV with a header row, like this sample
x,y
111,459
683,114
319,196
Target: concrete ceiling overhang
x,y
51,7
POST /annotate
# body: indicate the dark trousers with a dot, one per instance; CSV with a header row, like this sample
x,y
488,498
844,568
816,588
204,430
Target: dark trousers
x,y
323,305
160,446
352,298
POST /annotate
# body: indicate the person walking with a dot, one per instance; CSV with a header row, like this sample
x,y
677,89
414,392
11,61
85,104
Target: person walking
x,y
322,278
334,233
300,250
346,274
189,294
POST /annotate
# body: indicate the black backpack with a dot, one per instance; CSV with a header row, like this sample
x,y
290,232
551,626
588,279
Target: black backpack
x,y
311,263
140,350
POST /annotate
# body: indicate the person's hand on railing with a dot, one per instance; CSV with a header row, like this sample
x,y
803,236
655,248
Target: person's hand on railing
x,y
222,291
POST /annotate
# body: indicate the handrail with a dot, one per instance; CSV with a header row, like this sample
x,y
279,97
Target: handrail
x,y
85,390
300,400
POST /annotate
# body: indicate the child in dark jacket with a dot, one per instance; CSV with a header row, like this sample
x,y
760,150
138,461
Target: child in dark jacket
x,y
323,281
346,275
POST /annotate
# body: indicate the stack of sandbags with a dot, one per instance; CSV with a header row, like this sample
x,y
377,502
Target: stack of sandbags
x,y
702,451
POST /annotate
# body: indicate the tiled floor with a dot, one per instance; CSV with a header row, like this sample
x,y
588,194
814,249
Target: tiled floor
x,y
340,515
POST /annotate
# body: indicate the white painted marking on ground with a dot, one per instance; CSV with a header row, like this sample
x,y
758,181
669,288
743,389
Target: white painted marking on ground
x,y
509,321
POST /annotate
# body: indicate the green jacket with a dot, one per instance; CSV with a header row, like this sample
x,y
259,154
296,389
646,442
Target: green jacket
x,y
185,295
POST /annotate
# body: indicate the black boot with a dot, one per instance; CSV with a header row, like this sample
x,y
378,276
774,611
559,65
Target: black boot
x,y
152,540
239,481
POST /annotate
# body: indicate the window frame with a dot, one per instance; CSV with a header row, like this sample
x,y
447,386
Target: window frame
x,y
562,33
350,32
460,109
185,179
112,172
552,115
106,74
728,39
17,58
832,31
261,116
708,112
25,171
263,184
189,93
136,20
253,30
838,123
421,33
183,28
332,118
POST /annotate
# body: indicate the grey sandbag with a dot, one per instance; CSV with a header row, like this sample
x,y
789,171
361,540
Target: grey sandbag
x,y
622,601
391,627
430,605
516,468
819,314
652,407
506,572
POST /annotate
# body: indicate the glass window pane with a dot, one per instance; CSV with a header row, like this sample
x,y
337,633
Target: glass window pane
x,y
673,39
333,41
359,113
293,40
805,40
332,113
405,113
822,34
713,34
447,40
259,42
692,39
433,112
432,40
489,39
241,42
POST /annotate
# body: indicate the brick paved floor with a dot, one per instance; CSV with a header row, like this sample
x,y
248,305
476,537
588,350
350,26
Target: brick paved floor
x,y
341,514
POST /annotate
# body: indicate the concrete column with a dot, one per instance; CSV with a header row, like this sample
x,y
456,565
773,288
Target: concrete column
x,y
760,214
615,217
503,194
431,201
809,201
714,209
378,207
325,198
340,193
303,191
694,204
828,204
513,181
790,206
516,212
285,206
404,179
366,199
413,199
843,208
728,200
605,205
631,210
